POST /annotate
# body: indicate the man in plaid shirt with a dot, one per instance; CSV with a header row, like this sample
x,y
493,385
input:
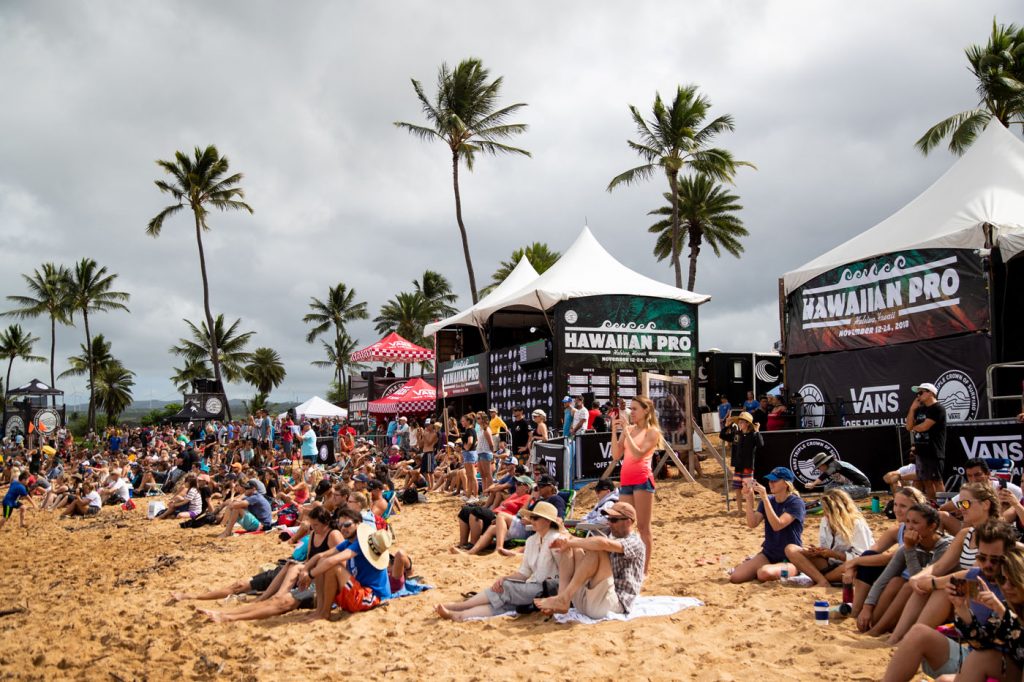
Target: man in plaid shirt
x,y
599,575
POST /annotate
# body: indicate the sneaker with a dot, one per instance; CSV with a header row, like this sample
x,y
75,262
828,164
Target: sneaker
x,y
799,580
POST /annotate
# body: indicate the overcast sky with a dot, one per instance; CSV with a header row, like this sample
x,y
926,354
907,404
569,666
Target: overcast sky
x,y
828,99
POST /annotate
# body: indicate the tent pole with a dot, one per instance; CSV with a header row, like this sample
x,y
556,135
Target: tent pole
x,y
543,310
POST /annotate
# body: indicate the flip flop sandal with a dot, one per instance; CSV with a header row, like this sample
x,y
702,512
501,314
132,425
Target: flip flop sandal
x,y
468,595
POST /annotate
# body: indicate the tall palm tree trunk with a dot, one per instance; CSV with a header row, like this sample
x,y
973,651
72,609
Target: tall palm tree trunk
x,y
10,363
91,411
673,184
53,352
694,252
462,226
214,349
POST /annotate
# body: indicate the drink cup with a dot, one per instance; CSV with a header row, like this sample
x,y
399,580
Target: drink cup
x,y
821,613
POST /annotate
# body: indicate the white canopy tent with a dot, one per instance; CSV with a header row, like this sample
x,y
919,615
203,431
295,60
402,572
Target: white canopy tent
x,y
984,187
586,269
520,276
318,407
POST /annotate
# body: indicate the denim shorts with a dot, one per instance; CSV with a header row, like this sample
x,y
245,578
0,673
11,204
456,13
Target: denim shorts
x,y
469,457
646,486
485,456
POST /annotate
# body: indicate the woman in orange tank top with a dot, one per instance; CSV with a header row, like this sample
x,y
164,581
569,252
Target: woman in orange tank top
x,y
634,444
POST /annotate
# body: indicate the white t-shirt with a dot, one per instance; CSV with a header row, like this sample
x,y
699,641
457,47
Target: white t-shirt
x,y
120,488
94,499
1015,489
908,470
579,419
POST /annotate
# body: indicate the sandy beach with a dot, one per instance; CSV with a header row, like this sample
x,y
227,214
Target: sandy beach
x,y
96,598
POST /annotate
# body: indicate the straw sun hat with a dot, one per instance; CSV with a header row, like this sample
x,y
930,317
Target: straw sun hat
x,y
375,545
543,510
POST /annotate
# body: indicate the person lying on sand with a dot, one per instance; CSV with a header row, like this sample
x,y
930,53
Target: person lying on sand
x,y
539,566
600,575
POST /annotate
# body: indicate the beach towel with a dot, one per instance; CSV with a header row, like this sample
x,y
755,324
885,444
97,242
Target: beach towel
x,y
643,607
411,587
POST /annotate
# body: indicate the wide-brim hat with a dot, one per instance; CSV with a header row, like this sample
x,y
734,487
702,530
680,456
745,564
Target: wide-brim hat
x,y
375,544
544,510
747,417
822,458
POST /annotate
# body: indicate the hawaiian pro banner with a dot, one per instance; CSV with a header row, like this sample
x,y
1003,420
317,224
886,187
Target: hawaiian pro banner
x,y
873,386
617,332
895,298
464,376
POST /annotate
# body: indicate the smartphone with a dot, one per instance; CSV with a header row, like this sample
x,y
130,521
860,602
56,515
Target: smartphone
x,y
1002,484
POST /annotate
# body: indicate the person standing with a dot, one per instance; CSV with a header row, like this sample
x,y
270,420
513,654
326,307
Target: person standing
x,y
520,433
751,403
567,416
287,436
308,447
926,421
724,407
634,445
402,434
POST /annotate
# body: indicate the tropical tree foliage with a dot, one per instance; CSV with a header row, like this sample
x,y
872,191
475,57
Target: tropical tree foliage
x,y
48,294
337,393
264,371
406,314
230,343
707,213
16,344
339,308
676,137
464,115
337,356
998,67
193,370
199,183
437,290
114,384
539,255
98,351
89,291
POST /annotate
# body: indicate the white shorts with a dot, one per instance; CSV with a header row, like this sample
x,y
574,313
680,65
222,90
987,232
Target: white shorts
x,y
597,601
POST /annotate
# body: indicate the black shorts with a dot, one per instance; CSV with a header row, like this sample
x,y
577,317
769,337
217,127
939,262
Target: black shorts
x,y
485,514
427,465
261,581
928,468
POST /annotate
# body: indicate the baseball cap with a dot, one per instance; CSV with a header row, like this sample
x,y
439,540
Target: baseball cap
x,y
362,478
546,480
781,474
492,409
526,480
621,509
925,387
251,483
566,399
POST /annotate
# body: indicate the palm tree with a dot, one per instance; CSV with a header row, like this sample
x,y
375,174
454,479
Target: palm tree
x,y
674,138
338,356
230,356
437,290
339,309
706,213
16,343
539,255
114,384
89,292
464,117
99,351
47,295
999,68
198,183
193,369
264,371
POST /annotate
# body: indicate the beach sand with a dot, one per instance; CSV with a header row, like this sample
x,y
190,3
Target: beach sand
x,y
96,593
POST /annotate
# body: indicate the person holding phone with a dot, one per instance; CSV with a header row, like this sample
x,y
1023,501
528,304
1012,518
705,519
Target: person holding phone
x,y
783,514
634,445
990,646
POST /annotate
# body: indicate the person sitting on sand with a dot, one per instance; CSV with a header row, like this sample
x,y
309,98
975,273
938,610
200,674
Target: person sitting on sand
x,y
600,575
187,505
479,524
782,513
987,646
283,593
116,491
607,495
923,544
354,574
12,500
539,564
87,505
904,476
251,512
842,535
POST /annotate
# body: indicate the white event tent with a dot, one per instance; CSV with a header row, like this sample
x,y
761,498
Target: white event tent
x,y
985,187
318,407
586,269
520,276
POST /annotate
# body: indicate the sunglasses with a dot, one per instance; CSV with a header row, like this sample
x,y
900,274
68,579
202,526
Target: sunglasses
x,y
963,504
348,524
616,519
986,559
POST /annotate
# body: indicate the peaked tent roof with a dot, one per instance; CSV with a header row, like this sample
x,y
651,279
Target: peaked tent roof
x,y
318,407
522,275
586,269
393,348
985,185
416,395
35,387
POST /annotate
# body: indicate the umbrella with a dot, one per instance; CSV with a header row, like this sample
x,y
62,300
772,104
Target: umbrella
x,y
393,348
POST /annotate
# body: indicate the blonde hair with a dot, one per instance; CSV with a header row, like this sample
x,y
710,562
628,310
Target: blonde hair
x,y
1013,569
315,476
652,415
363,500
841,513
982,492
913,493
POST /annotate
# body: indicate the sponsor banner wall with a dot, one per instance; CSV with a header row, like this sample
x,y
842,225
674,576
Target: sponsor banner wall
x,y
554,457
593,455
873,386
464,376
595,334
511,384
991,439
896,298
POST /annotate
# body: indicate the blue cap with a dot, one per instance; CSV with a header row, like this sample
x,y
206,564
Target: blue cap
x,y
362,478
566,399
781,474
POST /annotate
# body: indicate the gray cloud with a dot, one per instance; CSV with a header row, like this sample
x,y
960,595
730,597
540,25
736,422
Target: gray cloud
x,y
828,98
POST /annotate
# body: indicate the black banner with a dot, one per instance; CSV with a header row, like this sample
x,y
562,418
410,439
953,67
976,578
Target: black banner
x,y
551,456
593,455
875,450
993,439
512,385
873,386
465,376
325,450
900,297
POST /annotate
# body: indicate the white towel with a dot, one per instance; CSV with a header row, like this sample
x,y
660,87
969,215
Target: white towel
x,y
642,608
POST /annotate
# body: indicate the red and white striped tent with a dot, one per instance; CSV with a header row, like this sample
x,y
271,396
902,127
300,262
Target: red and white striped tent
x,y
393,348
415,396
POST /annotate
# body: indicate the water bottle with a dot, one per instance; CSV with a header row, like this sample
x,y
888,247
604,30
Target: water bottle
x,y
876,504
821,613
847,593
841,610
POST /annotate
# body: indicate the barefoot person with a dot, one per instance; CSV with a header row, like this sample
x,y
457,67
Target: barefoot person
x,y
634,444
843,535
600,575
782,513
252,512
12,500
